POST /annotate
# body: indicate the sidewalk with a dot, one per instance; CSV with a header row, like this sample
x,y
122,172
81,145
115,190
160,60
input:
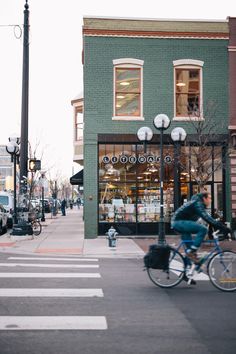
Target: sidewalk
x,y
64,235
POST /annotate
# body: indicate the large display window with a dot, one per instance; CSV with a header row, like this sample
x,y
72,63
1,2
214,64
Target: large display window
x,y
129,185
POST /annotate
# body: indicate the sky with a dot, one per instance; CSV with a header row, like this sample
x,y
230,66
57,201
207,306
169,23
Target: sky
x,y
56,71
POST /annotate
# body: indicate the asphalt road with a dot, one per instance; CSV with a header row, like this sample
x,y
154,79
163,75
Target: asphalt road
x,y
140,317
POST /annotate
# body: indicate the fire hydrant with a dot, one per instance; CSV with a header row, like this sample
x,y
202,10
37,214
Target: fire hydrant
x,y
112,237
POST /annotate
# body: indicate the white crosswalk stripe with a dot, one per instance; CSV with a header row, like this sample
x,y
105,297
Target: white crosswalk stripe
x,y
43,265
76,322
49,275
54,259
53,323
11,292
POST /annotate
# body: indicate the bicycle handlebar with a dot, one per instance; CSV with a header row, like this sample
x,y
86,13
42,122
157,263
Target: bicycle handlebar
x,y
228,237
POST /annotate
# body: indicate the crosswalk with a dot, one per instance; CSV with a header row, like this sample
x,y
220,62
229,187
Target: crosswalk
x,y
77,268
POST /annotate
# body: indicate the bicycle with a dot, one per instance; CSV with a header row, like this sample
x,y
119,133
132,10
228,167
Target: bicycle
x,y
221,267
33,218
36,227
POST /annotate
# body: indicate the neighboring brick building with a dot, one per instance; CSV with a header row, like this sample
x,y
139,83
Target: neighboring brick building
x,y
135,69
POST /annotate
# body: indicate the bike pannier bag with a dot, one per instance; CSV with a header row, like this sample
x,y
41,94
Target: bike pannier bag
x,y
157,257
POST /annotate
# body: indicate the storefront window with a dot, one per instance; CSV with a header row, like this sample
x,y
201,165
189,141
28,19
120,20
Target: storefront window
x,y
129,185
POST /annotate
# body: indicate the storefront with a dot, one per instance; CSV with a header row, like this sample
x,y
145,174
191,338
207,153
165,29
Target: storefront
x,y
129,185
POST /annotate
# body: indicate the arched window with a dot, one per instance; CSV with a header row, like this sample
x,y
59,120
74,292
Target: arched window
x,y
128,89
188,89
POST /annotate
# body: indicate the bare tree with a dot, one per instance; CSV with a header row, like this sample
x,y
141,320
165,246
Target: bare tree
x,y
203,157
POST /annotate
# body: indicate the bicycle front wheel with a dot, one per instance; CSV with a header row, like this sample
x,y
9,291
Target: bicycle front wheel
x,y
222,270
173,275
37,228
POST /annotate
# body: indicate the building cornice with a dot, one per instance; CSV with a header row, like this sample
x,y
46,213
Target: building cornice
x,y
123,27
154,34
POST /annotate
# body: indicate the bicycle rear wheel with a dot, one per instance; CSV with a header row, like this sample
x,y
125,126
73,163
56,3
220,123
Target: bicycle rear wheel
x,y
222,270
173,275
37,228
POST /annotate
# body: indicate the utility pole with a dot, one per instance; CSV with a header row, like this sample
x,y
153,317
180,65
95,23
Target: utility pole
x,y
24,104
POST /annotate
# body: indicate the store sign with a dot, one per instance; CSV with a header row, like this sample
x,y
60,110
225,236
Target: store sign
x,y
132,159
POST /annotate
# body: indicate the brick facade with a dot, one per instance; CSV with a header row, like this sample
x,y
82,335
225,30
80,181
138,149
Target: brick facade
x,y
158,51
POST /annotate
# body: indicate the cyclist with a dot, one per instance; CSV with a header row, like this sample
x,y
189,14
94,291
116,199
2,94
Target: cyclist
x,y
185,219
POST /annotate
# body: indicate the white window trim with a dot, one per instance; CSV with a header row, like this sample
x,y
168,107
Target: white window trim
x,y
128,63
189,64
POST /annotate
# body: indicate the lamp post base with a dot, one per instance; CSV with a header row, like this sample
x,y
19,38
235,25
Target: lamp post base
x,y
22,229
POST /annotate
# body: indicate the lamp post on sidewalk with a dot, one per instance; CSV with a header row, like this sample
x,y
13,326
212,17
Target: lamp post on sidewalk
x,y
145,134
42,183
178,135
13,149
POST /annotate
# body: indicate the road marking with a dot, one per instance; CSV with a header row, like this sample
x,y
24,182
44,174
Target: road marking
x,y
54,259
49,265
27,292
50,275
13,323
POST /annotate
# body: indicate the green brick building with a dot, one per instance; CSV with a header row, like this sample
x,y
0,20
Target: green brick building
x,y
135,69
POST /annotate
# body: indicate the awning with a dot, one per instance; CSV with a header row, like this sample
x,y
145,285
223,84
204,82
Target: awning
x,y
78,178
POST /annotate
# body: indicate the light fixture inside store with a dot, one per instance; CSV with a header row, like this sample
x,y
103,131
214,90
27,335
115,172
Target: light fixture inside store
x,y
147,173
153,169
124,83
120,96
181,84
118,105
139,177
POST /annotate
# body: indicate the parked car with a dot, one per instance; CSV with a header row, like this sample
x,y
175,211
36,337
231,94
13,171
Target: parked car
x,y
3,219
7,200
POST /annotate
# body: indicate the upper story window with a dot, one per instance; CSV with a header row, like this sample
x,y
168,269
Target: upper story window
x,y
128,89
188,89
79,126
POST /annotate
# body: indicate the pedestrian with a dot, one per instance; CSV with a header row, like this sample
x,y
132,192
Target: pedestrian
x,y
78,202
63,207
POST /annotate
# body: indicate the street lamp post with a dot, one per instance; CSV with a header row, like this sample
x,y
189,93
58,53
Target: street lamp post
x,y
178,135
145,134
161,122
42,187
13,149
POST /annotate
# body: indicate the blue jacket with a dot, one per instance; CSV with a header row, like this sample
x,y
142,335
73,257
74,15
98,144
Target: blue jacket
x,y
193,210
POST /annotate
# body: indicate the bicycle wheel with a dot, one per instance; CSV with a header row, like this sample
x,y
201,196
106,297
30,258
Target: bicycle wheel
x,y
37,228
222,270
173,275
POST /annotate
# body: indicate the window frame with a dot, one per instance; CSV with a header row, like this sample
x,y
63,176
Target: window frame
x,y
128,63
189,64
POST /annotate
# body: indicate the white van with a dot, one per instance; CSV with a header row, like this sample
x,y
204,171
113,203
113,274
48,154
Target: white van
x,y
7,200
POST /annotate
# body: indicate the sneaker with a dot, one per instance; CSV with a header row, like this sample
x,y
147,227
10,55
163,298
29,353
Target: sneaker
x,y
192,255
192,282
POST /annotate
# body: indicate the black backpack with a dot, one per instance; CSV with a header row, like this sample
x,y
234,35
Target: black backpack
x,y
157,257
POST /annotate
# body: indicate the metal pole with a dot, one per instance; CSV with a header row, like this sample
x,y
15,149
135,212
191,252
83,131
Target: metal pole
x,y
43,214
24,103
176,175
14,172
161,224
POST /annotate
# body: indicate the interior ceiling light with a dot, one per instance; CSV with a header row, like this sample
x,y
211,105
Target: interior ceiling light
x,y
139,177
124,83
120,96
153,169
180,84
147,173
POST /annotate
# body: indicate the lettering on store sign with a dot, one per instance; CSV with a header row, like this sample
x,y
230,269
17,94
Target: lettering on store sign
x,y
133,159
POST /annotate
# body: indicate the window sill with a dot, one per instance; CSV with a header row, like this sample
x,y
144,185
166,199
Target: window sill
x,y
188,119
128,118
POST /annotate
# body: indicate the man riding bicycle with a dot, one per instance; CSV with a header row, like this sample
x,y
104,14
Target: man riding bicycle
x,y
185,219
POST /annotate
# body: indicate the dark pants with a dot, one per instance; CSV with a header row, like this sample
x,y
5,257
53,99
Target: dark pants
x,y
63,210
186,228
